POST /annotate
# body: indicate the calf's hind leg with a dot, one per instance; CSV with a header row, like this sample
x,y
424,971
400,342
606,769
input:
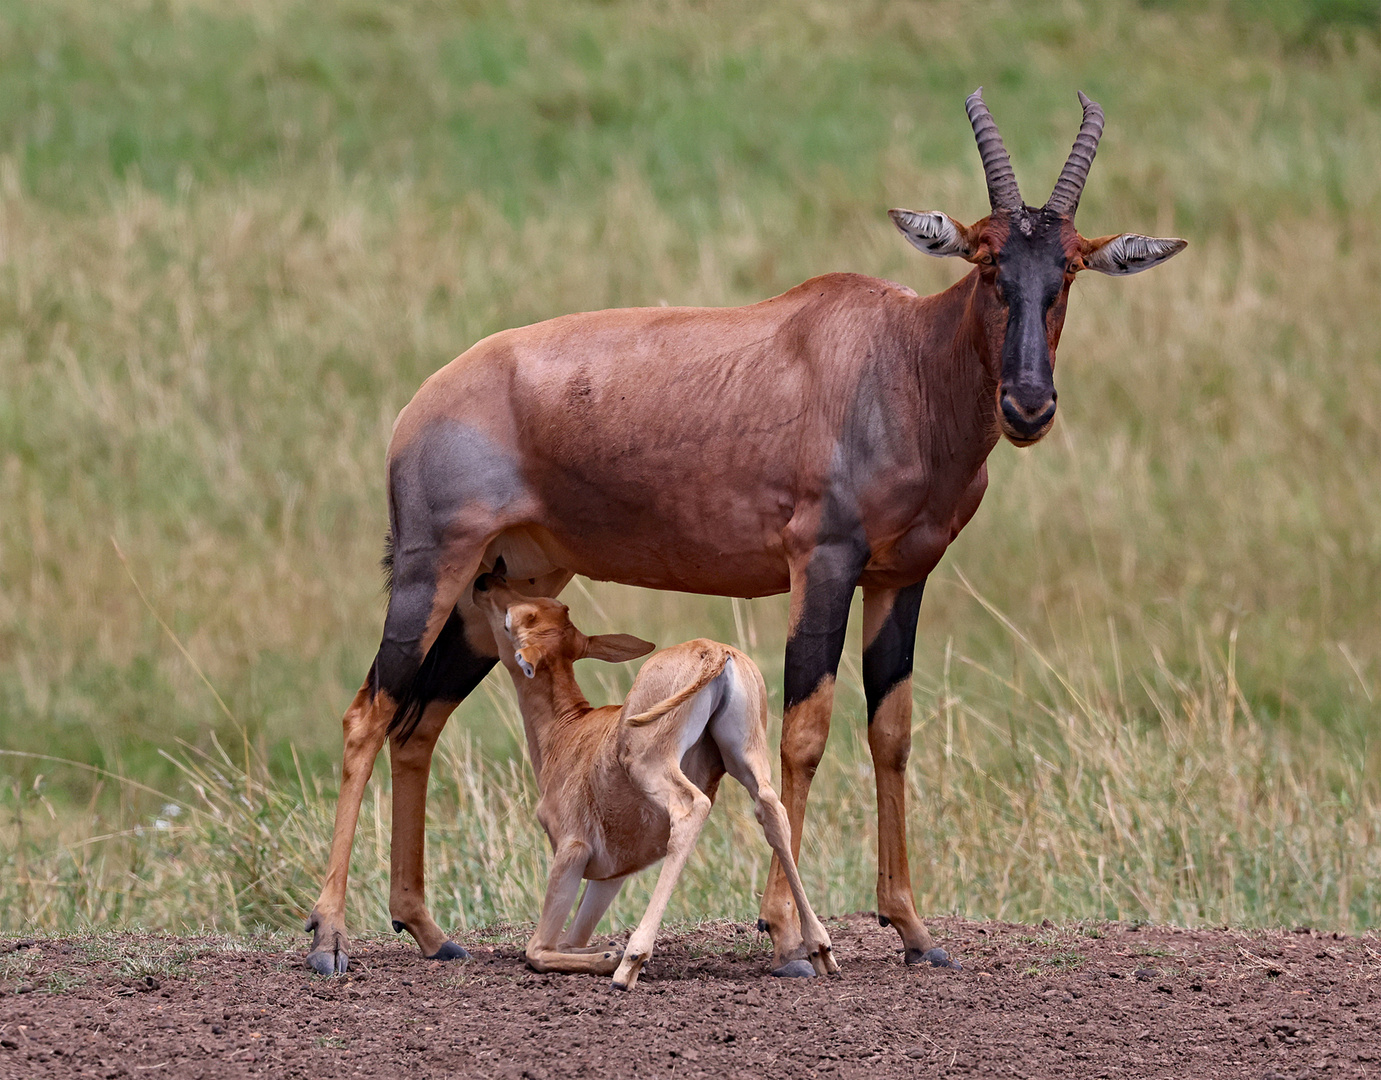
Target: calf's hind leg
x,y
740,731
688,808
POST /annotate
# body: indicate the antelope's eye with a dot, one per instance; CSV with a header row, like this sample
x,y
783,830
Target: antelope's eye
x,y
986,259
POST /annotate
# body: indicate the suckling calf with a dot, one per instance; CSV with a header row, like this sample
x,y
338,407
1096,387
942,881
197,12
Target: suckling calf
x,y
624,786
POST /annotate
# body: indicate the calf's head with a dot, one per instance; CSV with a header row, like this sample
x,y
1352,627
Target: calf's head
x,y
536,632
1026,260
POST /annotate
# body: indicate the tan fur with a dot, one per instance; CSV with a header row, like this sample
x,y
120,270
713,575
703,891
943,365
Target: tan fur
x,y
622,787
708,671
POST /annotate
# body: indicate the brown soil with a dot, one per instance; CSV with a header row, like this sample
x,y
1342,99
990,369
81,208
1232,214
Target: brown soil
x,y
1082,1001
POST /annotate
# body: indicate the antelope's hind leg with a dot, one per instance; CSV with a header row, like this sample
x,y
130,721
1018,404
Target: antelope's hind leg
x,y
365,726
419,606
454,666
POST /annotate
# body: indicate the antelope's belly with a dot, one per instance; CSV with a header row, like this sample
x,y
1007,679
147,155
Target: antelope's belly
x,y
721,554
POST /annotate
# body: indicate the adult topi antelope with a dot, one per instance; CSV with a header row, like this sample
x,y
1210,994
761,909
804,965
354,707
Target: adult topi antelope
x,y
624,786
831,437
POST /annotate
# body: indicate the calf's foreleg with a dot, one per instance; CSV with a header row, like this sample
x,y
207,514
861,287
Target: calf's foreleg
x,y
594,902
544,951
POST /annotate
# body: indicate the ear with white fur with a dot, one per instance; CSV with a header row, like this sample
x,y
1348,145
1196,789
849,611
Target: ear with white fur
x,y
1129,253
616,648
933,232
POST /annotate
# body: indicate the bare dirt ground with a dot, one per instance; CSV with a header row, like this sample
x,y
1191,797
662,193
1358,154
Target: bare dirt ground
x,y
1107,1000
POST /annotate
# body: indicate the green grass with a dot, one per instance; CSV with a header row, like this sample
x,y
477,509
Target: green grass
x,y
234,239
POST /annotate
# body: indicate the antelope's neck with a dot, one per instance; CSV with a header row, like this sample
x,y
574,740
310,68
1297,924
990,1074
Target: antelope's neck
x,y
959,358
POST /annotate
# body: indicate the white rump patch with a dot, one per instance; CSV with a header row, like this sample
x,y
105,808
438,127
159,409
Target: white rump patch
x,y
932,232
1132,253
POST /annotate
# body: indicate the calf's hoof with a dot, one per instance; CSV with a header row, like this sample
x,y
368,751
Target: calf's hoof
x,y
327,962
795,969
450,951
936,957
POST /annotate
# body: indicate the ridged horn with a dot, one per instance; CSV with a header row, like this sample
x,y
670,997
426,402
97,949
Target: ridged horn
x,y
1065,198
997,166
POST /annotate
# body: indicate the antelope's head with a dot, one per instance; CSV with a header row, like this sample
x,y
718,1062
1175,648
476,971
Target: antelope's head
x,y
1026,260
537,632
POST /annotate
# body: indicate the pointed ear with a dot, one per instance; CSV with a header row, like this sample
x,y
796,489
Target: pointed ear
x,y
616,648
1129,253
933,232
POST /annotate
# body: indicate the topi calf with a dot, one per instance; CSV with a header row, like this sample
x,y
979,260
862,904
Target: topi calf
x,y
624,786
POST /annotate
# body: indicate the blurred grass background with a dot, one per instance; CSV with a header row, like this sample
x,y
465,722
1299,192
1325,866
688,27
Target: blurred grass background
x,y
235,237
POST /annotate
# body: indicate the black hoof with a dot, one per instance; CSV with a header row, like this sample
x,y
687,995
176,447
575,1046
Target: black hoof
x,y
795,969
763,927
936,957
883,920
399,926
325,963
450,951
623,987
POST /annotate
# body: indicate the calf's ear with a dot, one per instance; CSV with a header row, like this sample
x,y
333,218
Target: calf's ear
x,y
616,648
933,232
1129,253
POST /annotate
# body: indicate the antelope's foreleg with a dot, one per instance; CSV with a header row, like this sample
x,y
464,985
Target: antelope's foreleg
x,y
889,635
365,726
821,591
688,807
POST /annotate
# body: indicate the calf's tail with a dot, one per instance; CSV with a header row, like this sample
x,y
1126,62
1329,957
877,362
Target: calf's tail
x,y
711,662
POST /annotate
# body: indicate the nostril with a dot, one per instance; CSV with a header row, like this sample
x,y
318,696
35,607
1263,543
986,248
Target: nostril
x,y
1028,411
1023,422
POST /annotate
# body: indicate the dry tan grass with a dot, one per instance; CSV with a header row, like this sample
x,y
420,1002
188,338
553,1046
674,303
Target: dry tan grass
x,y
208,372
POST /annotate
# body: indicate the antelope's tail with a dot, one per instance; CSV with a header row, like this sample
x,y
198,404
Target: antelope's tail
x,y
711,664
